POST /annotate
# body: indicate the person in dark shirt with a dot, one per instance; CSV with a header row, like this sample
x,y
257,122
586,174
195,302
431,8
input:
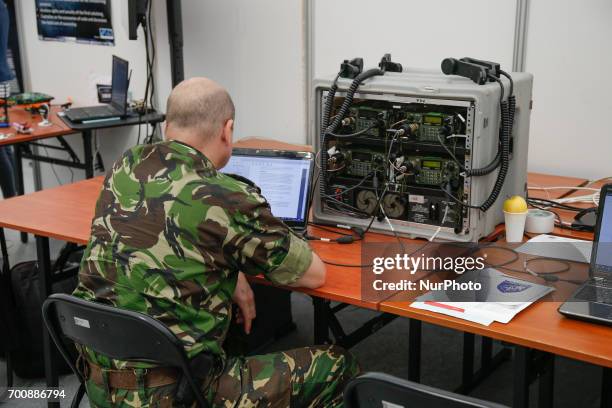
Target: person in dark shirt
x,y
7,171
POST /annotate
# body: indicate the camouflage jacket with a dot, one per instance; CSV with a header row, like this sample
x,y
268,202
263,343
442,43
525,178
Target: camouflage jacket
x,y
170,234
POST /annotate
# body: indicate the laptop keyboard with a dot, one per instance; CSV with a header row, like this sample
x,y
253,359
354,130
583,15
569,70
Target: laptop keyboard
x,y
595,294
92,112
98,110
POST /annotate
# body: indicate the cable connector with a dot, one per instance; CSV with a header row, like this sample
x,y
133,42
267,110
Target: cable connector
x,y
350,69
345,239
386,65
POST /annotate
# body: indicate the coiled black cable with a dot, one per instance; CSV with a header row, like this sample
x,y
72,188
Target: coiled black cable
x,y
489,168
329,104
327,128
350,94
504,159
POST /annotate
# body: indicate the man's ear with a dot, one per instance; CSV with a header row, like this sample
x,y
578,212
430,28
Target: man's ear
x,y
228,131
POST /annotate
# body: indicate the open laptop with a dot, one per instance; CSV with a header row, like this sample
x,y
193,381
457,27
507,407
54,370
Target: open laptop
x,y
593,300
118,105
284,178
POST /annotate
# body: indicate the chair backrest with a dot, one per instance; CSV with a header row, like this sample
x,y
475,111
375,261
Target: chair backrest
x,y
117,333
385,391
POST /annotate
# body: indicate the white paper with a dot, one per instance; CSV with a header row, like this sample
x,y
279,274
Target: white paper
x,y
469,315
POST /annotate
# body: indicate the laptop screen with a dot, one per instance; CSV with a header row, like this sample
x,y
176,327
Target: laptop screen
x,y
603,252
120,84
284,182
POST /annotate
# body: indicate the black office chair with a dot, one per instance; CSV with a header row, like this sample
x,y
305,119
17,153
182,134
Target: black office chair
x,y
117,333
377,390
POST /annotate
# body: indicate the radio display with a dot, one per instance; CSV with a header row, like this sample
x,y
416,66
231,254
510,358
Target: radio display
x,y
433,120
431,164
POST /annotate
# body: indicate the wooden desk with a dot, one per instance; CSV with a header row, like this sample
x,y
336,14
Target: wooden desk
x,y
538,329
548,180
16,114
568,216
58,129
62,213
65,213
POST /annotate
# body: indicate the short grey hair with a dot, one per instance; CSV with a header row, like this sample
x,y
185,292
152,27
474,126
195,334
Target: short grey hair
x,y
200,104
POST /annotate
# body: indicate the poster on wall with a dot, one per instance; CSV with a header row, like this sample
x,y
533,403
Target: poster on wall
x,y
83,21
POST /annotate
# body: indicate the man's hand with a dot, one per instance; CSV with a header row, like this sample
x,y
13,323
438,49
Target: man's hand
x,y
244,298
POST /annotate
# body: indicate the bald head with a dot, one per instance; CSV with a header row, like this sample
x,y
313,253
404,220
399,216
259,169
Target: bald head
x,y
199,106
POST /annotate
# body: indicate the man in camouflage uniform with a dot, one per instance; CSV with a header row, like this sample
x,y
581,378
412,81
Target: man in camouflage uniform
x,y
172,237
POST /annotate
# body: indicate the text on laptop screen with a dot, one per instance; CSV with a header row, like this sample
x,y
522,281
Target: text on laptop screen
x,y
283,182
603,260
120,83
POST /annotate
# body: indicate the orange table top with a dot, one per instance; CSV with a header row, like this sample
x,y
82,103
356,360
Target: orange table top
x,y
65,213
568,216
17,114
536,180
546,180
539,327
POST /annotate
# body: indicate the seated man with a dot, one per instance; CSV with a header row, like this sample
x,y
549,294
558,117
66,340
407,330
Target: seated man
x,y
172,237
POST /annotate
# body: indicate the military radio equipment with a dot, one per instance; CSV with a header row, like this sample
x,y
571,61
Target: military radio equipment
x,y
421,152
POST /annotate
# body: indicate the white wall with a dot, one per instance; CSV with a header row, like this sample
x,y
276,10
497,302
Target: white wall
x,y
70,70
570,55
254,49
417,33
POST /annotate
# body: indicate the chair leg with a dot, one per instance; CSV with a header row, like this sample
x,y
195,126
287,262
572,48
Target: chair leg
x,y
78,396
414,350
467,372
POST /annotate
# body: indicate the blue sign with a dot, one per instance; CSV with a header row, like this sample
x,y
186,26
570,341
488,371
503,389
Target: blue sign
x,y
87,21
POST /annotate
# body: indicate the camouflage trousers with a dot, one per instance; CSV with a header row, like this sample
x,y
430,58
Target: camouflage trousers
x,y
303,377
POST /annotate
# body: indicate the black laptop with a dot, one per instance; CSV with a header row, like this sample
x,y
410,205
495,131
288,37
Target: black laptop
x,y
118,105
593,300
284,178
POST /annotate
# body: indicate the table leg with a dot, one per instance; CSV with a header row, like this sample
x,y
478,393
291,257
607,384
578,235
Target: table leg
x,y
44,279
606,388
414,350
486,356
88,154
321,321
547,380
467,372
521,377
19,185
